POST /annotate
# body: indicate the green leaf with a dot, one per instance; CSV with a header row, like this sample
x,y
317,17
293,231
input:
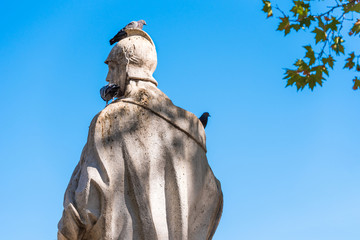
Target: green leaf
x,y
320,35
349,65
310,54
356,83
312,82
356,28
291,77
318,76
329,61
267,8
336,46
300,9
320,23
350,61
302,66
306,21
295,26
326,71
284,25
294,77
352,7
332,25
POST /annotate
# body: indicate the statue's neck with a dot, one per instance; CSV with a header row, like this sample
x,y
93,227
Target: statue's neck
x,y
135,85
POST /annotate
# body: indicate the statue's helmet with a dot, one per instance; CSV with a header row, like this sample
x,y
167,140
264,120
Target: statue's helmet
x,y
136,55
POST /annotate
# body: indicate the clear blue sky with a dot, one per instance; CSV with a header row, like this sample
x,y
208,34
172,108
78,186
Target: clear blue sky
x,y
288,161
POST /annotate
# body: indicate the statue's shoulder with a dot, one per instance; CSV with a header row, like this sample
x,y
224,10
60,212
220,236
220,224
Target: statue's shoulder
x,y
117,110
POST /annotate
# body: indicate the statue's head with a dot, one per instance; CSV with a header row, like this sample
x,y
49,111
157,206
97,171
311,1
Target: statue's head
x,y
132,58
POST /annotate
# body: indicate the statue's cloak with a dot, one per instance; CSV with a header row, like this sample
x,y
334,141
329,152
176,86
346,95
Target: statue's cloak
x,y
143,174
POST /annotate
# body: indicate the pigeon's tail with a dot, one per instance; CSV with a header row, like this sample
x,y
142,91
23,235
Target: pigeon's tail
x,y
112,41
120,35
204,118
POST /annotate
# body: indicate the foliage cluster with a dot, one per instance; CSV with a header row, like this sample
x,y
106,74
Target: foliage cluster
x,y
329,35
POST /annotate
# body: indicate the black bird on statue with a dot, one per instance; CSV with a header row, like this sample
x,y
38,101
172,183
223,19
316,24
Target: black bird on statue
x,y
204,118
122,33
108,92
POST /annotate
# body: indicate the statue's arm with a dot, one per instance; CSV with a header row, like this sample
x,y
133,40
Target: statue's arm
x,y
84,194
70,224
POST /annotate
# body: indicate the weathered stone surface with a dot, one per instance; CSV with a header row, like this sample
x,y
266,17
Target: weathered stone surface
x,y
143,173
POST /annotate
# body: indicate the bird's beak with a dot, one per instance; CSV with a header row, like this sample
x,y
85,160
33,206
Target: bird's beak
x,y
209,115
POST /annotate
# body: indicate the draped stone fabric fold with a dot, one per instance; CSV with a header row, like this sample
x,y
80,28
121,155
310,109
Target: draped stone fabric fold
x,y
143,174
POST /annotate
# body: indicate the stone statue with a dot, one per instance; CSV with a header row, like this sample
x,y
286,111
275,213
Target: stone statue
x,y
143,173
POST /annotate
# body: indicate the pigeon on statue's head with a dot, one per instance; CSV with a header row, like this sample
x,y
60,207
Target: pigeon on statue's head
x,y
204,118
122,33
108,92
